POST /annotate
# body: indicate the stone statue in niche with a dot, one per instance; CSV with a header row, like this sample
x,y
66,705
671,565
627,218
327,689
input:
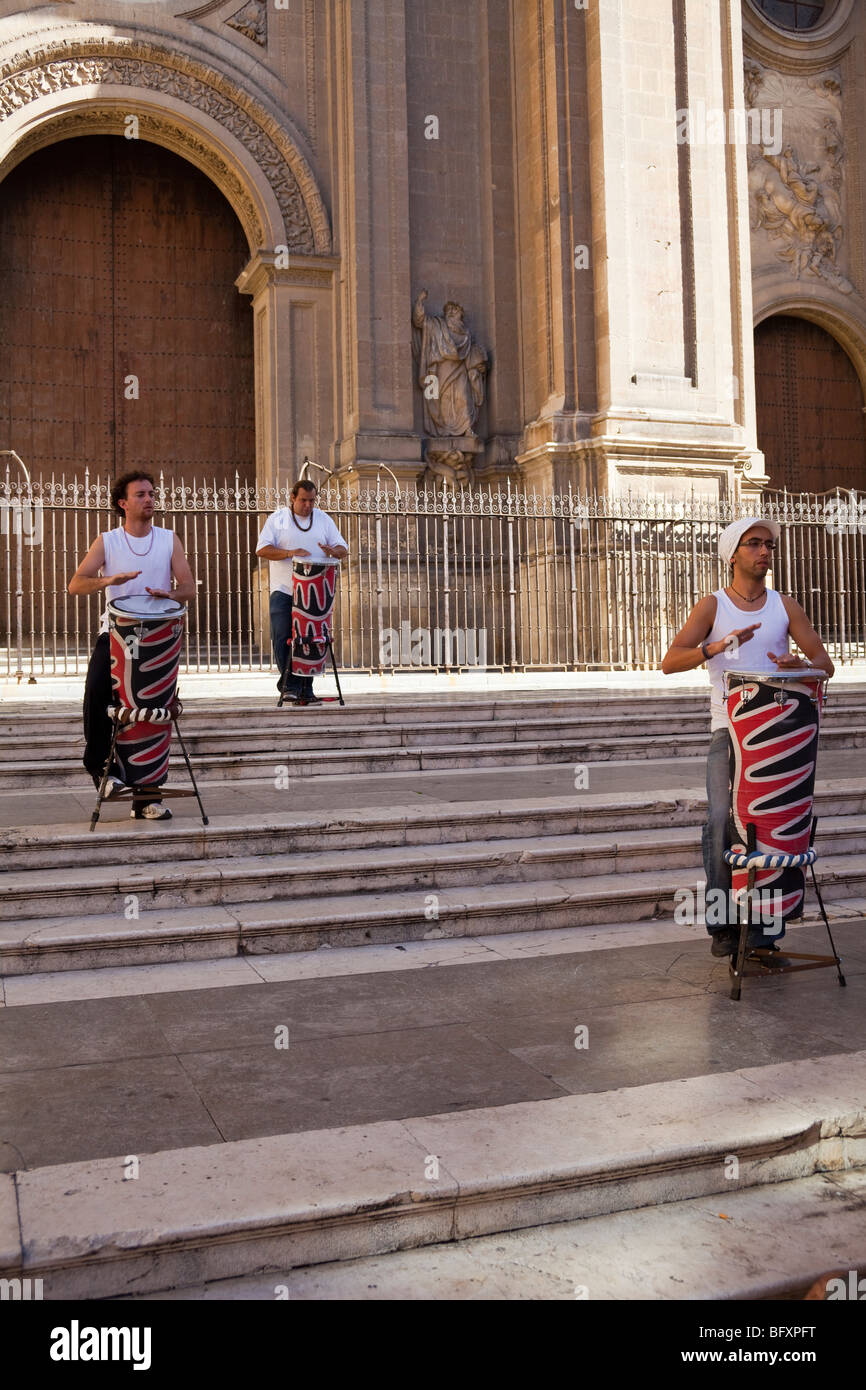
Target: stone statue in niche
x,y
451,371
796,195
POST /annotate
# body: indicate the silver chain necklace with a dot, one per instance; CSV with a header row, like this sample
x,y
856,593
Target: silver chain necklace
x,y
139,554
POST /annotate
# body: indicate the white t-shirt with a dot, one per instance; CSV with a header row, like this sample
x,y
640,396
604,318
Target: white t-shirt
x,y
125,554
282,531
771,636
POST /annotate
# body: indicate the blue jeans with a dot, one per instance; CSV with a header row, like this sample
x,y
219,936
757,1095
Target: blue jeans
x,y
281,641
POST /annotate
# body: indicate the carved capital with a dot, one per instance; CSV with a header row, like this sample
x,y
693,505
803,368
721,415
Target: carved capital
x,y
275,268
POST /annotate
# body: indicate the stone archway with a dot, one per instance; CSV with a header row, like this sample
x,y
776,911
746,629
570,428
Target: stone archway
x,y
97,84
137,88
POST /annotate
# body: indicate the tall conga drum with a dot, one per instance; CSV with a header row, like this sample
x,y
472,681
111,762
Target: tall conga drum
x,y
314,587
145,639
773,724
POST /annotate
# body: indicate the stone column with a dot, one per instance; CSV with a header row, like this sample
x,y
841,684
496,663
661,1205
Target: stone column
x,y
664,402
375,412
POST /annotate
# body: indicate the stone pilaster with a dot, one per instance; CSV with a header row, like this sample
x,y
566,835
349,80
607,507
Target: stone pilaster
x,y
375,408
292,306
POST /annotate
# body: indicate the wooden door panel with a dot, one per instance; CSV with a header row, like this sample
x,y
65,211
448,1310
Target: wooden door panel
x,y
119,258
811,425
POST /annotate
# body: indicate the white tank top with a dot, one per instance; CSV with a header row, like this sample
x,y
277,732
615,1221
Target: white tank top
x,y
155,566
771,636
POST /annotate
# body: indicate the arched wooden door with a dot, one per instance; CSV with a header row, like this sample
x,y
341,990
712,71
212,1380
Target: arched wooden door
x,y
811,425
123,340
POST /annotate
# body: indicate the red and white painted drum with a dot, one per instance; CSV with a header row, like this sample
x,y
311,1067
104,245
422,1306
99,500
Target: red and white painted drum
x,y
314,586
773,723
145,639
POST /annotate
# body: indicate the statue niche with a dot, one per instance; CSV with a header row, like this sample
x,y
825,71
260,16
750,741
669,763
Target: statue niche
x,y
451,372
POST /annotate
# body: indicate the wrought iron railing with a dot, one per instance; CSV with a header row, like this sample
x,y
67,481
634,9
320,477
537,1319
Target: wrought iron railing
x,y
436,580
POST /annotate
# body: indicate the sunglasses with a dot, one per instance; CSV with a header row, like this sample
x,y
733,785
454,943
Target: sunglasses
x,y
755,544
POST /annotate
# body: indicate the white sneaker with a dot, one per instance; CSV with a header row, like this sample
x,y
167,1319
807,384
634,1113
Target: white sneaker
x,y
154,810
114,787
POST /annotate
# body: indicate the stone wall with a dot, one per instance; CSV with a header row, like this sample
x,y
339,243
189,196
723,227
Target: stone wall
x,y
604,266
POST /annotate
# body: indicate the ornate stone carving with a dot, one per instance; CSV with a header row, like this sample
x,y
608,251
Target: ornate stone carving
x,y
251,20
451,371
127,63
796,193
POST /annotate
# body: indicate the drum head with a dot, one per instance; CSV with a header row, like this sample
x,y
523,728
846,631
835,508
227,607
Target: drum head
x,y
803,673
146,606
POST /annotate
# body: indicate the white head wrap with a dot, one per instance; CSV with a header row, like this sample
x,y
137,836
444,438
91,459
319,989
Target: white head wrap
x,y
733,534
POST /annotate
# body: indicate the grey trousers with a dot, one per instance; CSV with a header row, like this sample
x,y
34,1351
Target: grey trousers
x,y
715,840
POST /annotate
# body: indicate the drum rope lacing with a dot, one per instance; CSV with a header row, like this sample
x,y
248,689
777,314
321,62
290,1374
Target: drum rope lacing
x,y
758,859
135,714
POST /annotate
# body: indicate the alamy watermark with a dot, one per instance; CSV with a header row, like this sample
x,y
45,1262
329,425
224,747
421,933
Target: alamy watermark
x,y
21,518
711,125
846,518
716,908
424,646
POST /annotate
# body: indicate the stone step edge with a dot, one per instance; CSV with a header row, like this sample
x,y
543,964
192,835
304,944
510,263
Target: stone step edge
x,y
418,759
325,726
375,820
90,1230
429,863
385,702
680,1251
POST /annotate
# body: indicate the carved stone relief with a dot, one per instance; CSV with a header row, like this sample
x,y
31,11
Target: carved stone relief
x,y
796,190
304,217
251,20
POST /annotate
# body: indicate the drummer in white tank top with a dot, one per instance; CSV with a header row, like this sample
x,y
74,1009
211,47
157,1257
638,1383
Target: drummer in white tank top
x,y
135,558
746,627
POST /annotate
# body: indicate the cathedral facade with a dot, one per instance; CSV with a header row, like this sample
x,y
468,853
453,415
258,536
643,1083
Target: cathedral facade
x,y
569,243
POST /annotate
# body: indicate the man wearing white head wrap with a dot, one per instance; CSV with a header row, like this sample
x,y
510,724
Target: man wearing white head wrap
x,y
714,633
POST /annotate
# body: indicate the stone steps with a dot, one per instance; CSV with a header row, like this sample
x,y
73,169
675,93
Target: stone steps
x,y
263,736
301,763
402,723
192,1216
774,1241
42,745
117,841
418,868
211,931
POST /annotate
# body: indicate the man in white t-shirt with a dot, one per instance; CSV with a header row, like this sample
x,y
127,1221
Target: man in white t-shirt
x,y
713,634
300,532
